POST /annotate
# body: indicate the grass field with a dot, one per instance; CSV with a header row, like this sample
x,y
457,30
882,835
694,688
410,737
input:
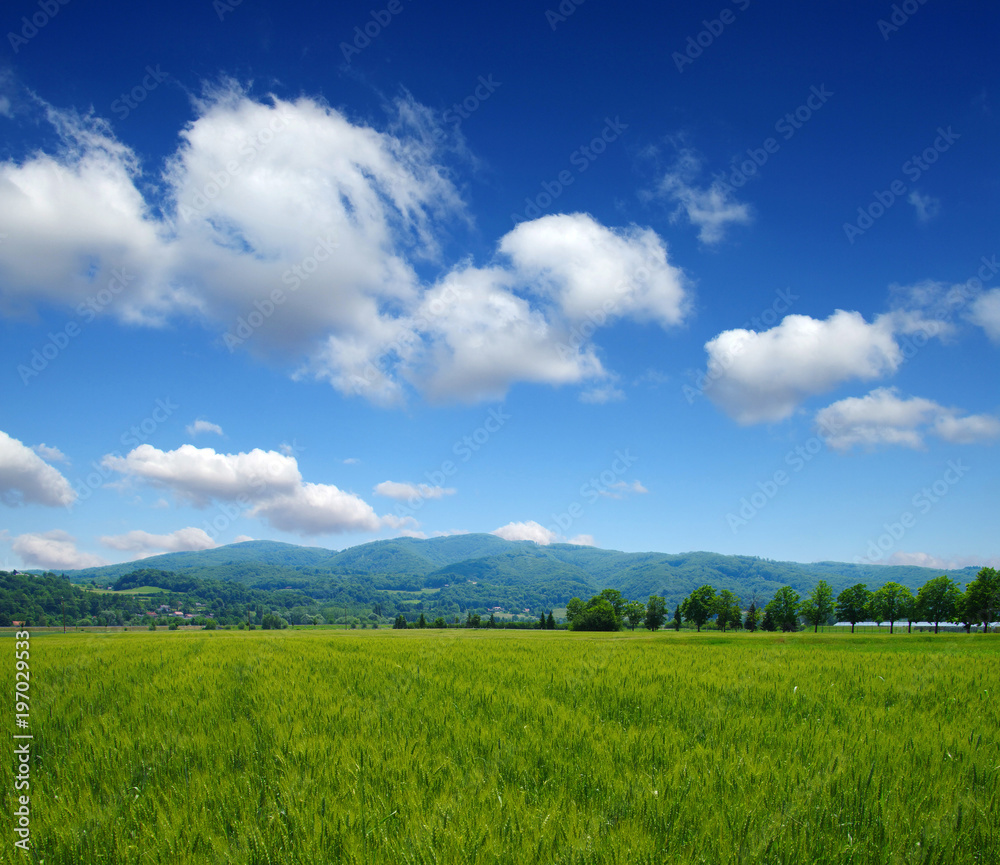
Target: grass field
x,y
515,747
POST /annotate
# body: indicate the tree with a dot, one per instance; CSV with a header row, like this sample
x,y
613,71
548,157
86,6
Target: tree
x,y
854,604
440,623
598,615
677,617
541,620
573,609
891,603
752,620
699,606
767,620
784,607
983,597
492,623
817,608
727,610
937,600
550,622
634,613
400,623
422,622
656,612
614,597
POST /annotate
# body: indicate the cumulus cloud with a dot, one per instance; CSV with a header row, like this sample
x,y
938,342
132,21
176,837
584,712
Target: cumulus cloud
x,y
532,531
203,426
53,550
266,483
882,417
763,377
711,208
343,221
526,531
144,543
25,478
985,312
402,492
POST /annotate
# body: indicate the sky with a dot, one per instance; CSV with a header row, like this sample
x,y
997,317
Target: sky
x,y
677,276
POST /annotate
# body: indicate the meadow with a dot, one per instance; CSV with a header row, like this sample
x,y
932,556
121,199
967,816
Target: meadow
x,y
510,747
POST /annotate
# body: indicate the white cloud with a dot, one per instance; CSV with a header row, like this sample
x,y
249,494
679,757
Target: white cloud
x,y
712,209
882,417
985,312
25,478
532,531
336,217
50,454
926,560
54,550
199,475
762,377
602,395
926,206
595,273
239,539
351,461
138,541
405,491
582,541
526,531
267,483
619,489
203,426
970,429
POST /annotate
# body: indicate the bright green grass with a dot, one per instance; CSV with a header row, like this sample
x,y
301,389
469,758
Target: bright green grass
x,y
515,747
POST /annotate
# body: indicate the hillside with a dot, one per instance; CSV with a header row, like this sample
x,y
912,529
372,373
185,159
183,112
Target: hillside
x,y
484,570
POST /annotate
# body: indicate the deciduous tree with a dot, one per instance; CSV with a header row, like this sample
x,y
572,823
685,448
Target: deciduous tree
x,y
699,606
817,608
854,604
937,600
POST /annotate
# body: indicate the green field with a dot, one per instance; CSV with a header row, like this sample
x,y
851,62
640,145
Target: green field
x,y
515,747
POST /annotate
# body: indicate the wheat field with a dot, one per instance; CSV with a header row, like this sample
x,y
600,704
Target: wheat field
x,y
510,747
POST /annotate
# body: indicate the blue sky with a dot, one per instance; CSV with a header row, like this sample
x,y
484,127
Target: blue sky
x,y
708,276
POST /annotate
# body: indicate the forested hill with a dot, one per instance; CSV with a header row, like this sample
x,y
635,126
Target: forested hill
x,y
476,570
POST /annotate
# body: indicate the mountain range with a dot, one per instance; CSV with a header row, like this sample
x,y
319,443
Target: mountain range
x,y
485,570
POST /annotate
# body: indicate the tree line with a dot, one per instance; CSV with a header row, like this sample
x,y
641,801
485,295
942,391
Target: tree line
x,y
939,601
